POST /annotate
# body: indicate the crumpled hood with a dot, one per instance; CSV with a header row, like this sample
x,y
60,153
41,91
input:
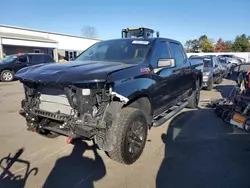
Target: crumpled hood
x,y
70,72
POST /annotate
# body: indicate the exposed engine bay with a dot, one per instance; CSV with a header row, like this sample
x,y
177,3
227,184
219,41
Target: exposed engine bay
x,y
71,110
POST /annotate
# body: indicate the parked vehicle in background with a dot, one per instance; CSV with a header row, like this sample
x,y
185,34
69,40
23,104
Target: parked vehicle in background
x,y
212,71
235,60
112,93
226,66
13,63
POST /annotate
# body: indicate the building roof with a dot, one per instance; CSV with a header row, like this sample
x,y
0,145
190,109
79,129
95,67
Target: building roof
x,y
28,29
25,37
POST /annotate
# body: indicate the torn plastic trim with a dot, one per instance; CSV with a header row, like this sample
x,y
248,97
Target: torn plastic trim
x,y
122,98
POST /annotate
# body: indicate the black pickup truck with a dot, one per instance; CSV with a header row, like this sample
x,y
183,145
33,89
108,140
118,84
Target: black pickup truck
x,y
112,93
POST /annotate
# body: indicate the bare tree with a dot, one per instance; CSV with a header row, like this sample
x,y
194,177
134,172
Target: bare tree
x,y
89,31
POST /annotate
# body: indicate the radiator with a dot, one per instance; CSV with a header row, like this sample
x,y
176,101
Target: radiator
x,y
54,100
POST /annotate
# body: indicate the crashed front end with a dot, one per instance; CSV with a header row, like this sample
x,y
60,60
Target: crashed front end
x,y
86,111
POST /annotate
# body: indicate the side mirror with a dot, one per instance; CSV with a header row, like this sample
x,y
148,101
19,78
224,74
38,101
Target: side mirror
x,y
18,62
165,63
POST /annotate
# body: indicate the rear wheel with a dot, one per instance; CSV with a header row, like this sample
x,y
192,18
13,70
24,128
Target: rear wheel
x,y
7,76
130,136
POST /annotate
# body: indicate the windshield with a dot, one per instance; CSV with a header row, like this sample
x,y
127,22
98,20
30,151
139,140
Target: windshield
x,y
9,59
125,51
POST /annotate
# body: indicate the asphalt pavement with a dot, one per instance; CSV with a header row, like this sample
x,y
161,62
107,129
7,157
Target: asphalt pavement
x,y
193,149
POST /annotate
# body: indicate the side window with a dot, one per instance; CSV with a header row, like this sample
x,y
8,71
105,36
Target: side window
x,y
37,59
177,53
162,52
23,59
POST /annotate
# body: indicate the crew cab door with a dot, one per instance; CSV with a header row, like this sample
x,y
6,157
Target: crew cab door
x,y
166,79
183,68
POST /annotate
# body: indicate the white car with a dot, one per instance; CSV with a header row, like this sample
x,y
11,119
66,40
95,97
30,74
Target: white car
x,y
234,61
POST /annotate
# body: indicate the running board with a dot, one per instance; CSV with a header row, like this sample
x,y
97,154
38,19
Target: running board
x,y
168,114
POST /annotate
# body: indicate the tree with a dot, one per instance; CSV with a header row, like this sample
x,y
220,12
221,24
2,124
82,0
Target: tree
x,y
188,45
203,38
89,31
241,44
229,45
222,46
207,46
202,44
195,46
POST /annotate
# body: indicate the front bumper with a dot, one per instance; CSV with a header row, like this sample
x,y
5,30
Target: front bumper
x,y
85,126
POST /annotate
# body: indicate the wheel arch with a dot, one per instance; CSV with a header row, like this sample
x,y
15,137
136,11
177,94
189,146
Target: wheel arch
x,y
143,103
199,77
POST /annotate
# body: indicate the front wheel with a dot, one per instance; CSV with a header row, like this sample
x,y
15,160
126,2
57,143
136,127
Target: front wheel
x,y
7,76
130,136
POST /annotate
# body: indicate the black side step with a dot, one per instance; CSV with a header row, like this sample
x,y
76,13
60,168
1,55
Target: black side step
x,y
167,115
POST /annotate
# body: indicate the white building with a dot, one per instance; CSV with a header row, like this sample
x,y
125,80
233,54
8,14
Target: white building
x,y
15,40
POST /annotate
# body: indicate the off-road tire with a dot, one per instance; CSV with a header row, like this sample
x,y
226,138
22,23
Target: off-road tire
x,y
127,120
193,100
3,76
210,84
